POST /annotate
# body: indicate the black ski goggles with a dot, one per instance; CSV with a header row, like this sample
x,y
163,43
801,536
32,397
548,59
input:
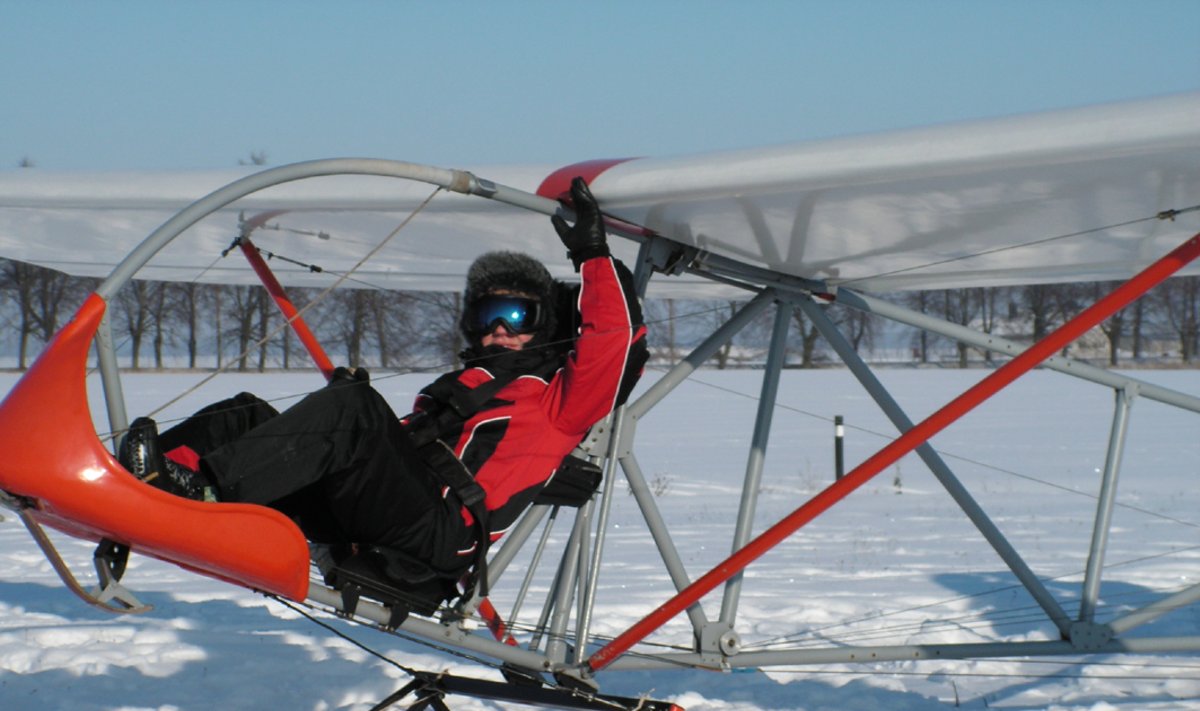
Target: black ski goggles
x,y
518,314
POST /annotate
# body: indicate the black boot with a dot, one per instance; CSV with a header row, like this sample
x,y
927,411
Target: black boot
x,y
142,456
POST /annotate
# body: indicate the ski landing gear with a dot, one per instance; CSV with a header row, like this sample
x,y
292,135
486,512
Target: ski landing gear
x,y
428,690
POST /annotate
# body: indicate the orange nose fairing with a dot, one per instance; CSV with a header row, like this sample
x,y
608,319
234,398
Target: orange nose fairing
x,y
49,452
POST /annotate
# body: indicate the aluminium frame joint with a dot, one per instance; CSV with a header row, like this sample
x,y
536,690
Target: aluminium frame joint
x,y
718,640
1090,636
1131,389
793,297
668,257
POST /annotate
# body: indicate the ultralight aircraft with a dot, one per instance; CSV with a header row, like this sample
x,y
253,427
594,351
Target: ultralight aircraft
x,y
1108,193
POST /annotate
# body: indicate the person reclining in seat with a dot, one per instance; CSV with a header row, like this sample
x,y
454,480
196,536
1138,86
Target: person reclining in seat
x,y
426,493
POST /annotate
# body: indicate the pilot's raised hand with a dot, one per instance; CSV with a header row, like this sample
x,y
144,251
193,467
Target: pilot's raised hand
x,y
585,239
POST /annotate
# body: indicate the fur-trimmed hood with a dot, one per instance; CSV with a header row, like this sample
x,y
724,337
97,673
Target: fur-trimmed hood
x,y
512,271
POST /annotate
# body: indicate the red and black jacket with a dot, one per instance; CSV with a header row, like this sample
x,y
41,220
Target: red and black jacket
x,y
515,441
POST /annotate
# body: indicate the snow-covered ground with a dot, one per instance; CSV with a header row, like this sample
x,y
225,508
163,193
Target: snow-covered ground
x,y
896,563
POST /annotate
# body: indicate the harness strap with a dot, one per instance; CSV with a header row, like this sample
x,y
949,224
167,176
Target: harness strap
x,y
440,459
457,403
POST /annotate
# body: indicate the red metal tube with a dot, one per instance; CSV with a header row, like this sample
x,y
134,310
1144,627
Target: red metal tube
x,y
275,289
1118,299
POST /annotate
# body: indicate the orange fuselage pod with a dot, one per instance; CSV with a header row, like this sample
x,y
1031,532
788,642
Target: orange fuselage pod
x,y
52,456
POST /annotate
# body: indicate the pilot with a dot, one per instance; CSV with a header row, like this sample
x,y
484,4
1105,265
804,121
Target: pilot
x,y
423,495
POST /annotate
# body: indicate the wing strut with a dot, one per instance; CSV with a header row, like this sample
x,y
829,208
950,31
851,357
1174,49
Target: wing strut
x,y
275,289
1118,299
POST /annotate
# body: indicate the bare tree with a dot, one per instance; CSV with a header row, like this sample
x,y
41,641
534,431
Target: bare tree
x,y
809,336
183,307
1178,300
17,281
217,296
136,303
921,302
991,314
859,327
1039,306
395,322
661,319
720,313
1113,327
436,317
244,309
265,312
960,306
1136,323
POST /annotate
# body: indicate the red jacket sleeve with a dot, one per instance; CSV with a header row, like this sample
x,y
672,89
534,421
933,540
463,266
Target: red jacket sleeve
x,y
609,350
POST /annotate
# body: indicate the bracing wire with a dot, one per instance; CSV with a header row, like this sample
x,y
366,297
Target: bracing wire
x,y
321,296
349,276
1163,215
449,650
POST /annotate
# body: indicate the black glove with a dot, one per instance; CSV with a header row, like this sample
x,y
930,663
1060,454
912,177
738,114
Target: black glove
x,y
585,239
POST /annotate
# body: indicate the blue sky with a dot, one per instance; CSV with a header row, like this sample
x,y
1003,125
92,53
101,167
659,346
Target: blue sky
x,y
116,85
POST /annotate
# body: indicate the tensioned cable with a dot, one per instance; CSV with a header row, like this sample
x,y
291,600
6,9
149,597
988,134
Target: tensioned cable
x,y
437,368
1163,215
342,277
195,280
434,368
507,669
949,455
800,636
329,289
258,344
799,670
881,435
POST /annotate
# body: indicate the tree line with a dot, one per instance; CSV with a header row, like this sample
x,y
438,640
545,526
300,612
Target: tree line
x,y
170,324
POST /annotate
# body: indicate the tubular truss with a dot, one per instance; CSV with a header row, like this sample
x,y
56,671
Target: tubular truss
x,y
562,643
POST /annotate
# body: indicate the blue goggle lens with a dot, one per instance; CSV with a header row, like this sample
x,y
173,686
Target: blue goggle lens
x,y
519,315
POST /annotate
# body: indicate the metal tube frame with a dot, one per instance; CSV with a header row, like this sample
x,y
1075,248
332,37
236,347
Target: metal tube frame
x,y
776,355
937,466
770,287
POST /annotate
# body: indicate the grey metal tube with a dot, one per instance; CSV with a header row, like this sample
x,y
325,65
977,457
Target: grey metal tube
x,y
681,370
1104,506
633,473
582,572
512,545
110,378
758,453
435,632
533,565
1186,596
715,266
997,344
514,542
939,468
556,643
900,653
661,535
588,599
456,180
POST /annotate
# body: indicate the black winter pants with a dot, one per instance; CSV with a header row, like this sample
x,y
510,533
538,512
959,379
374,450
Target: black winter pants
x,y
338,463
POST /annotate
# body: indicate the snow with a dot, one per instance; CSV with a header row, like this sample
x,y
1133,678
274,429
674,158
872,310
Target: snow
x,y
896,563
